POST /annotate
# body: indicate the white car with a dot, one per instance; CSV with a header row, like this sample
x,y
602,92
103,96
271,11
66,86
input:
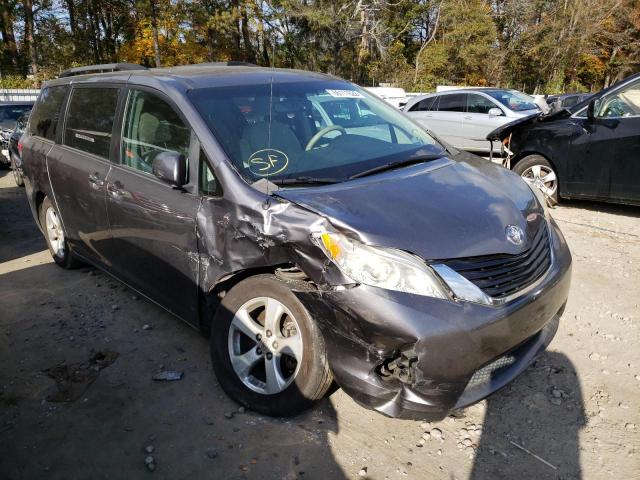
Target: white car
x,y
465,117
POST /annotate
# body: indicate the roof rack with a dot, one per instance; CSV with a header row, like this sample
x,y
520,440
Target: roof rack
x,y
103,68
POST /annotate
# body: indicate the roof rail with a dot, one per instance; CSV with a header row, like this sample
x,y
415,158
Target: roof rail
x,y
228,63
103,68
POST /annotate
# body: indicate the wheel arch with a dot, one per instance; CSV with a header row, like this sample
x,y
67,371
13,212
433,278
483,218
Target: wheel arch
x,y
212,294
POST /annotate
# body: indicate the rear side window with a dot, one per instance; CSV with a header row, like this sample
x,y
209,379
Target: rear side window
x,y
90,120
479,104
151,126
46,113
426,105
456,102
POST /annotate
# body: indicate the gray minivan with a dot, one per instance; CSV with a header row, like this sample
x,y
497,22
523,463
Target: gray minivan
x,y
314,232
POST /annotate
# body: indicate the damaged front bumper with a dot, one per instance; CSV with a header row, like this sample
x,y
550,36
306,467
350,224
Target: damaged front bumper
x,y
416,357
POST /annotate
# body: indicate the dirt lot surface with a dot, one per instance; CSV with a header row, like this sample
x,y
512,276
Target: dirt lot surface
x,y
576,411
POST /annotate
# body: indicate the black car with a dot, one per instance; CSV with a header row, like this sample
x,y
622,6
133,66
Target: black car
x,y
9,114
15,148
566,100
313,244
590,150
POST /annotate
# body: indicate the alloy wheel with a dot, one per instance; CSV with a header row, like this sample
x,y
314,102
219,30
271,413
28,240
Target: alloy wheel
x,y
543,178
54,232
265,345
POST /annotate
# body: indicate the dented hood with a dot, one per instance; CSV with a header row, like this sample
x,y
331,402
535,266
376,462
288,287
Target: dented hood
x,y
437,210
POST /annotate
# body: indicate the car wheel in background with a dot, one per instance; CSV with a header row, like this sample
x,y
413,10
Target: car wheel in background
x,y
267,352
17,177
54,235
538,172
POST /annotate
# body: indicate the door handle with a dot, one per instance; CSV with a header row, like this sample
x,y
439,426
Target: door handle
x,y
115,189
94,179
467,117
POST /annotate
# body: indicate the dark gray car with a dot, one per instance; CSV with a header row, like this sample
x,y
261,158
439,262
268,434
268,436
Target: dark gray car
x,y
314,231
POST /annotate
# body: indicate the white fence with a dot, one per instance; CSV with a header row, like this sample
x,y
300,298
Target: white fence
x,y
18,94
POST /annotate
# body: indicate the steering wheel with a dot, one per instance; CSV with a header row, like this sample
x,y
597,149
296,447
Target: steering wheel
x,y
322,133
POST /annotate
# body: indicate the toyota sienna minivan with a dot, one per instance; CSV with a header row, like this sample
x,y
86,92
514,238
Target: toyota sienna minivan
x,y
314,232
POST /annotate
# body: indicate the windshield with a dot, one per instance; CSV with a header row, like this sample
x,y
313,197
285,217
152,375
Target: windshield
x,y
313,129
513,100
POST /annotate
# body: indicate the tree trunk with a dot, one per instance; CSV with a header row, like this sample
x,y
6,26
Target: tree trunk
x,y
246,37
28,35
154,28
9,40
73,25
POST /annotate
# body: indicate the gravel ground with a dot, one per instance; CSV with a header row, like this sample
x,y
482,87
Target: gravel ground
x,y
574,414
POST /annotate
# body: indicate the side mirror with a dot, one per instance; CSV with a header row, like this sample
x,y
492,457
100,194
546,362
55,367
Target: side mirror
x,y
170,167
591,110
495,112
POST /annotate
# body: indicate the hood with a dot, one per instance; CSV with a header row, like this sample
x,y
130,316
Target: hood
x,y
437,210
504,130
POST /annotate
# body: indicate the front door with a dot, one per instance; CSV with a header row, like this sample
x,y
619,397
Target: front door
x,y
624,106
154,246
448,120
478,123
604,161
79,167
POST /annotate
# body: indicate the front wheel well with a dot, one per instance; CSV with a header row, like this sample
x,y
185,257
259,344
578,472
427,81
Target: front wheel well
x,y
522,155
213,294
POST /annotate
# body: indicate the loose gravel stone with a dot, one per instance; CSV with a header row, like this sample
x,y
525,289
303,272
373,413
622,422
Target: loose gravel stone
x,y
436,433
362,472
146,326
149,449
212,452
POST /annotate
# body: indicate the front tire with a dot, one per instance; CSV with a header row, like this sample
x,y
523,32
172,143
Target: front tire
x,y
54,235
267,352
538,172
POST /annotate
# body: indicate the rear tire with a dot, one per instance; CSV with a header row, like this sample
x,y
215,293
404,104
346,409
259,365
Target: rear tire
x,y
267,352
54,235
17,177
538,172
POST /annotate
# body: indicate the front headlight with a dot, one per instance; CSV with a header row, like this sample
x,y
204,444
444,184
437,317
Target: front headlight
x,y
380,267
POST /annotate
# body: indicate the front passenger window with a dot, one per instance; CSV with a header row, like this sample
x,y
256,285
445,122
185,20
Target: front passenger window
x,y
479,104
624,103
151,126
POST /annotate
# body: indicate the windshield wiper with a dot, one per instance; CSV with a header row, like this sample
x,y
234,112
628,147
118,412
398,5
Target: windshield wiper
x,y
304,181
397,164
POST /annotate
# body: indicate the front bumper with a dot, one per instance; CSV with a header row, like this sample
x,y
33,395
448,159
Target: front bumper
x,y
463,351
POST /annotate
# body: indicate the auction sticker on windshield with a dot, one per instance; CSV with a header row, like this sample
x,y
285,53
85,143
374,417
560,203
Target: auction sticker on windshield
x,y
267,162
345,93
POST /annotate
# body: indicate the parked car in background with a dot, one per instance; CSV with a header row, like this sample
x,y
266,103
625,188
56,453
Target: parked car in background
x,y
590,150
566,100
464,117
15,148
315,231
9,114
392,95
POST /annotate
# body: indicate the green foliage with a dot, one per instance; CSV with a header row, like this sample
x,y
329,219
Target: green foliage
x,y
533,45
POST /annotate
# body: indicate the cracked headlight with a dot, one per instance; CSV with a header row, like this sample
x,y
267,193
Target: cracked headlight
x,y
380,267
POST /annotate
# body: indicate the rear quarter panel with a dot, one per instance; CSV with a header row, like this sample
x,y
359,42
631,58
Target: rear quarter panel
x,y
34,164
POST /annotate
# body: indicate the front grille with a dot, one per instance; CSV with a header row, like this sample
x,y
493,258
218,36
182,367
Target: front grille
x,y
502,275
